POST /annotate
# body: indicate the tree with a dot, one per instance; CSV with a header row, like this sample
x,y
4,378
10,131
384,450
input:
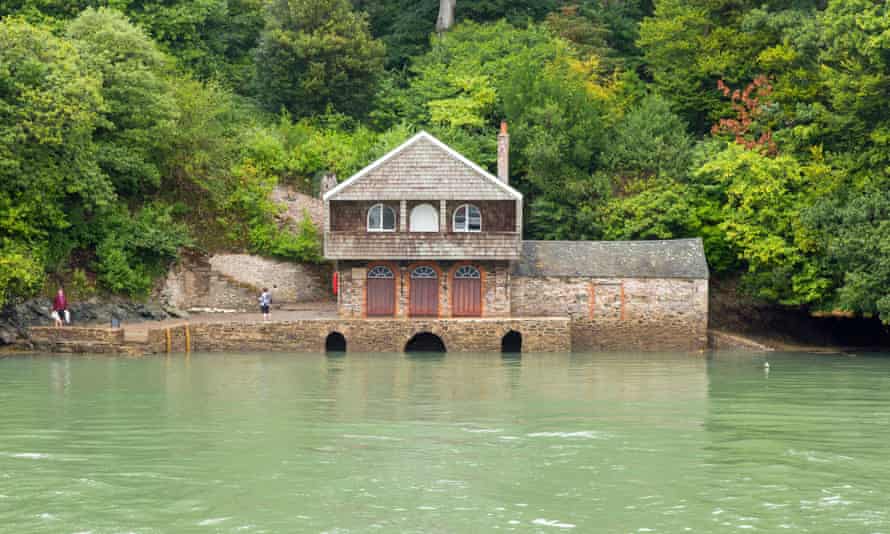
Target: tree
x,y
445,19
751,107
139,112
765,199
213,39
460,79
690,44
49,177
854,117
649,141
558,135
857,233
314,54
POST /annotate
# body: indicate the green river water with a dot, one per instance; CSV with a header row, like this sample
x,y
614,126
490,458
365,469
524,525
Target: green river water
x,y
445,443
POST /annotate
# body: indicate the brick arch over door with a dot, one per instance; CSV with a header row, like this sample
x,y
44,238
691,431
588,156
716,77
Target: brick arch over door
x,y
381,290
467,281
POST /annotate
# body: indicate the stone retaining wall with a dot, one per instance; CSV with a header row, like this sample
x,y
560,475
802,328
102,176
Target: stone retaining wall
x,y
78,339
288,281
234,281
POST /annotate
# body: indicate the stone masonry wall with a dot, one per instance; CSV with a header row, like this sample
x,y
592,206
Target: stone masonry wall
x,y
234,281
363,335
288,281
78,339
620,314
495,286
192,283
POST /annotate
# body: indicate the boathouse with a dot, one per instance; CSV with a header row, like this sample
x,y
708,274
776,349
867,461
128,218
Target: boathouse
x,y
425,234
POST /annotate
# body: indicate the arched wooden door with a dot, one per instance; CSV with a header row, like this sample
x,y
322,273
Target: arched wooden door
x,y
424,292
466,292
381,292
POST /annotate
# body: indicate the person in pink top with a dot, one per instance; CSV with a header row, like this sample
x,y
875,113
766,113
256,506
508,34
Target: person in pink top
x,y
60,308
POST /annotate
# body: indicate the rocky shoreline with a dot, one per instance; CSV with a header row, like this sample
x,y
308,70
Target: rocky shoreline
x,y
16,320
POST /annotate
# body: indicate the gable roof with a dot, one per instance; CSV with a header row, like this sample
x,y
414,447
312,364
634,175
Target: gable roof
x,y
423,168
674,258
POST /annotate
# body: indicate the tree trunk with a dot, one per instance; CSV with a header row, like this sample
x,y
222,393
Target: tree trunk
x,y
446,15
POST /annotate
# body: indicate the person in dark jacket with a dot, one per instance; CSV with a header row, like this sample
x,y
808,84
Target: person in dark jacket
x,y
60,308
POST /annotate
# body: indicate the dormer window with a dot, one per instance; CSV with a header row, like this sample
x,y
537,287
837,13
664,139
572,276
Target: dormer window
x,y
381,218
467,218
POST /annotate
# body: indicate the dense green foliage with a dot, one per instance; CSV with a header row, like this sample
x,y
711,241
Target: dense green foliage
x,y
317,53
132,128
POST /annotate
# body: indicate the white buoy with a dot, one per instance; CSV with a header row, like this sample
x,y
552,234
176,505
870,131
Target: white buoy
x,y
766,365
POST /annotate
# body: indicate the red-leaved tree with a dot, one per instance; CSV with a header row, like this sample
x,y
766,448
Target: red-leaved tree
x,y
749,105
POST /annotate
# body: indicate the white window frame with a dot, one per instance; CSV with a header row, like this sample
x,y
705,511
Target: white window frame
x,y
413,223
381,229
466,227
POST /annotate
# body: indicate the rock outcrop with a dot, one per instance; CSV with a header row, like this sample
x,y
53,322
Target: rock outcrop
x,y
16,320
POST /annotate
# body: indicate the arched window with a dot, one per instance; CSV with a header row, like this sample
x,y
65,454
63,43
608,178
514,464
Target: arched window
x,y
467,218
467,271
424,272
381,218
424,218
380,272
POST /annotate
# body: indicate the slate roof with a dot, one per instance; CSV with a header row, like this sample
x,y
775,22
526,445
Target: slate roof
x,y
423,168
675,258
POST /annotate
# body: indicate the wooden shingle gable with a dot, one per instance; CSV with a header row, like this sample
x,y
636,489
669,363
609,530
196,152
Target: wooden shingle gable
x,y
423,168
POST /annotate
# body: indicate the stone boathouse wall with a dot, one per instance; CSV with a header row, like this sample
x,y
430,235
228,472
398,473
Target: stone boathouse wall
x,y
646,314
353,286
362,335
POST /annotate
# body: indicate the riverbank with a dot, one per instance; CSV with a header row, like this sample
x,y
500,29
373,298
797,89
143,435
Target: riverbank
x,y
737,324
16,321
790,329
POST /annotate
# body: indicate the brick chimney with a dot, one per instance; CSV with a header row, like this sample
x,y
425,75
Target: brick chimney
x,y
504,154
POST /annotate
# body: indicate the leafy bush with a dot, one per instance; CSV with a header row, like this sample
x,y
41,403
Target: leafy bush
x,y
251,217
80,287
20,272
137,248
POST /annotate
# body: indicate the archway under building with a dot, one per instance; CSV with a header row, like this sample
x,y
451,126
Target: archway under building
x,y
425,342
511,343
335,342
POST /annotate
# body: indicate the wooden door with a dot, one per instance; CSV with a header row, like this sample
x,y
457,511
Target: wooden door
x,y
381,292
466,293
424,292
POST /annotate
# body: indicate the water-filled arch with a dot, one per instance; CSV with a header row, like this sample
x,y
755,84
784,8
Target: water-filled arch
x,y
425,342
335,342
511,342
